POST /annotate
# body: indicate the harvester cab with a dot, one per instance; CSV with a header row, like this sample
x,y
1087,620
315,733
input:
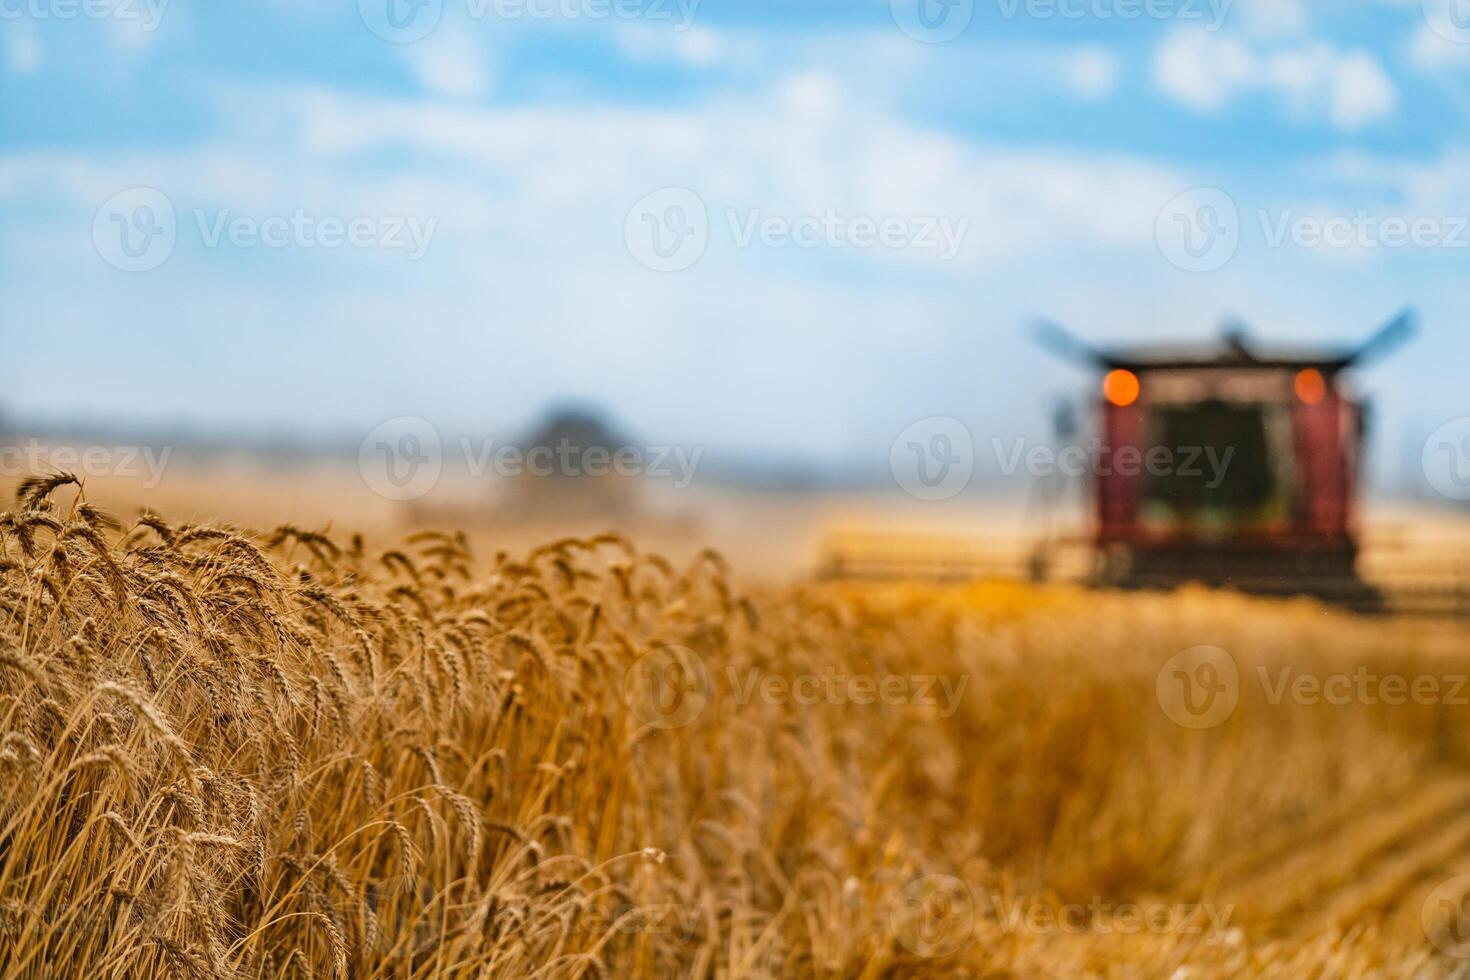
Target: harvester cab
x,y
1231,464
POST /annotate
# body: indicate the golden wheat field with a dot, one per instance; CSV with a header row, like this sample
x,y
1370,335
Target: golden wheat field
x,y
278,753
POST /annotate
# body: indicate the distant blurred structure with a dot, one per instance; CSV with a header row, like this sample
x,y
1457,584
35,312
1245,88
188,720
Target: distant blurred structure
x,y
570,469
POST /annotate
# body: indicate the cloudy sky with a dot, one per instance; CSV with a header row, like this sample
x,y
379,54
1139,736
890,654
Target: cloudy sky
x,y
791,227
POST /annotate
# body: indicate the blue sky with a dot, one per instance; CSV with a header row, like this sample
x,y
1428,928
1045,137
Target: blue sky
x,y
1057,135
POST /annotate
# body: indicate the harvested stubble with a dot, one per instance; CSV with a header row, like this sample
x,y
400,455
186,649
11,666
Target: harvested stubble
x,y
230,754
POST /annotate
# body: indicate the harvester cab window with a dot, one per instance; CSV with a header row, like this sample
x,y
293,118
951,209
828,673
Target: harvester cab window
x,y
1238,480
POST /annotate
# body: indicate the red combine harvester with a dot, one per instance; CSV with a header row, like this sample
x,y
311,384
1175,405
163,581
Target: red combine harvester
x,y
1231,465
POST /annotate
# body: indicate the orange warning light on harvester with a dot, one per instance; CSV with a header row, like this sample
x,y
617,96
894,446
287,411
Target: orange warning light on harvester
x,y
1310,386
1121,387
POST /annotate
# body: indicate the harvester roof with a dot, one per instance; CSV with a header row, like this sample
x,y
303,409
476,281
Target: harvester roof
x,y
1233,350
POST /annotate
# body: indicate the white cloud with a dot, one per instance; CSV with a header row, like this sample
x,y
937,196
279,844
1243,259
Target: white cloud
x,y
1359,90
698,46
134,27
1205,72
508,183
1438,186
1202,71
1430,52
23,53
1092,72
768,155
451,63
810,93
1272,18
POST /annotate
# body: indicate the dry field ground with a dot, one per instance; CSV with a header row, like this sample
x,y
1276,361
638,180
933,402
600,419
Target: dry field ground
x,y
273,752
